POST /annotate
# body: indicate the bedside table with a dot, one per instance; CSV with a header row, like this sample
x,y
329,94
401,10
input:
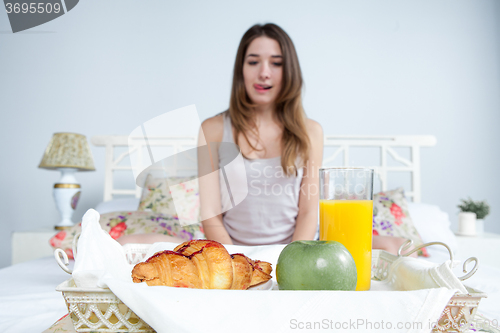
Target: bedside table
x,y
485,247
32,244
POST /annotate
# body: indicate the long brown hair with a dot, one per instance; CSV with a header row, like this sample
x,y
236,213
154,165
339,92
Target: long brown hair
x,y
289,111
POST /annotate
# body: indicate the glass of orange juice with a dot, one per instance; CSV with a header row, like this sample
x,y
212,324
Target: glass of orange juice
x,y
346,214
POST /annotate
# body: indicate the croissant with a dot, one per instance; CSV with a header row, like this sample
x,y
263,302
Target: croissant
x,y
202,264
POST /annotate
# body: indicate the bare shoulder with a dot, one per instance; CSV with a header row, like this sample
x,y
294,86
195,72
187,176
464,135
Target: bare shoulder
x,y
213,128
314,130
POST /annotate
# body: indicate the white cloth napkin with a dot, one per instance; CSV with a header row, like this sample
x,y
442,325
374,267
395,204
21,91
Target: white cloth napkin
x,y
414,274
97,255
191,310
101,259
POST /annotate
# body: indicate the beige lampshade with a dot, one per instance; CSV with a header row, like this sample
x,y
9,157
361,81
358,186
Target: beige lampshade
x,y
68,150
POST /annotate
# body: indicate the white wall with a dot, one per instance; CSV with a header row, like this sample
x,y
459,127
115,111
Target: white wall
x,y
370,67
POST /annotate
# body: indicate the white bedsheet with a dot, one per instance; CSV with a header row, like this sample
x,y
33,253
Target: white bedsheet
x,y
29,301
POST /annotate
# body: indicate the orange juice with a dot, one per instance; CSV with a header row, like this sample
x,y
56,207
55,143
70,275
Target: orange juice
x,y
350,222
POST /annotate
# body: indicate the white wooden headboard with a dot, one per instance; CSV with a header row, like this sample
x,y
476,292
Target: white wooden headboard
x,y
340,147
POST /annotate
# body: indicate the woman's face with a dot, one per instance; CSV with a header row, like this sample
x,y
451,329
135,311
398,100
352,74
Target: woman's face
x,y
263,71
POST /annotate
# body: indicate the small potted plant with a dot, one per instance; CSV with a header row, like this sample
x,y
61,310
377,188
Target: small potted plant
x,y
480,208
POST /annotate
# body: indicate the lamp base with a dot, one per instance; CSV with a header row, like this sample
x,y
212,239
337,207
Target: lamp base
x,y
57,227
66,195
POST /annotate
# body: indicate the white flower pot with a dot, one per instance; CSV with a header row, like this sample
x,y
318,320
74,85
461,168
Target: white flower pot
x,y
479,226
467,224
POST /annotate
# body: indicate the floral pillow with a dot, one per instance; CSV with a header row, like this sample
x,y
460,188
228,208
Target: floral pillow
x,y
176,196
127,223
391,217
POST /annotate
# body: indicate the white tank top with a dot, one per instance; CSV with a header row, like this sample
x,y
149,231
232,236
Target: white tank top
x,y
267,215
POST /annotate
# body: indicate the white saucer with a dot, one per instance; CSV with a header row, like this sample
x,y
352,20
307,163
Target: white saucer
x,y
263,286
462,234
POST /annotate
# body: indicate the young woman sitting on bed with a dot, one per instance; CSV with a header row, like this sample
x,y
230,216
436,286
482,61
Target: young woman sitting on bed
x,y
282,151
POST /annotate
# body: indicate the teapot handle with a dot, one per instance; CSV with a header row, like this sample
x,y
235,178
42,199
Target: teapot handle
x,y
62,260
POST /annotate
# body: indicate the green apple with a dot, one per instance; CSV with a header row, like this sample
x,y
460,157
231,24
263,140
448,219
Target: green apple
x,y
316,265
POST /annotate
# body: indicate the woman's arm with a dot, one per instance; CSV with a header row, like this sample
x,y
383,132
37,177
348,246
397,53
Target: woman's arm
x,y
214,230
391,244
209,137
307,219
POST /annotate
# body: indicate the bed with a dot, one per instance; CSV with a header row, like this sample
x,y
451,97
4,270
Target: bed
x,y
29,302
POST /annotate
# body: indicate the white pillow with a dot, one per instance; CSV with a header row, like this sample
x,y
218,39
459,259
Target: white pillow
x,y
118,205
433,225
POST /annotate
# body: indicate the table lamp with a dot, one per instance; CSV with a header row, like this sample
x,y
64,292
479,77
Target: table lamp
x,y
68,153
